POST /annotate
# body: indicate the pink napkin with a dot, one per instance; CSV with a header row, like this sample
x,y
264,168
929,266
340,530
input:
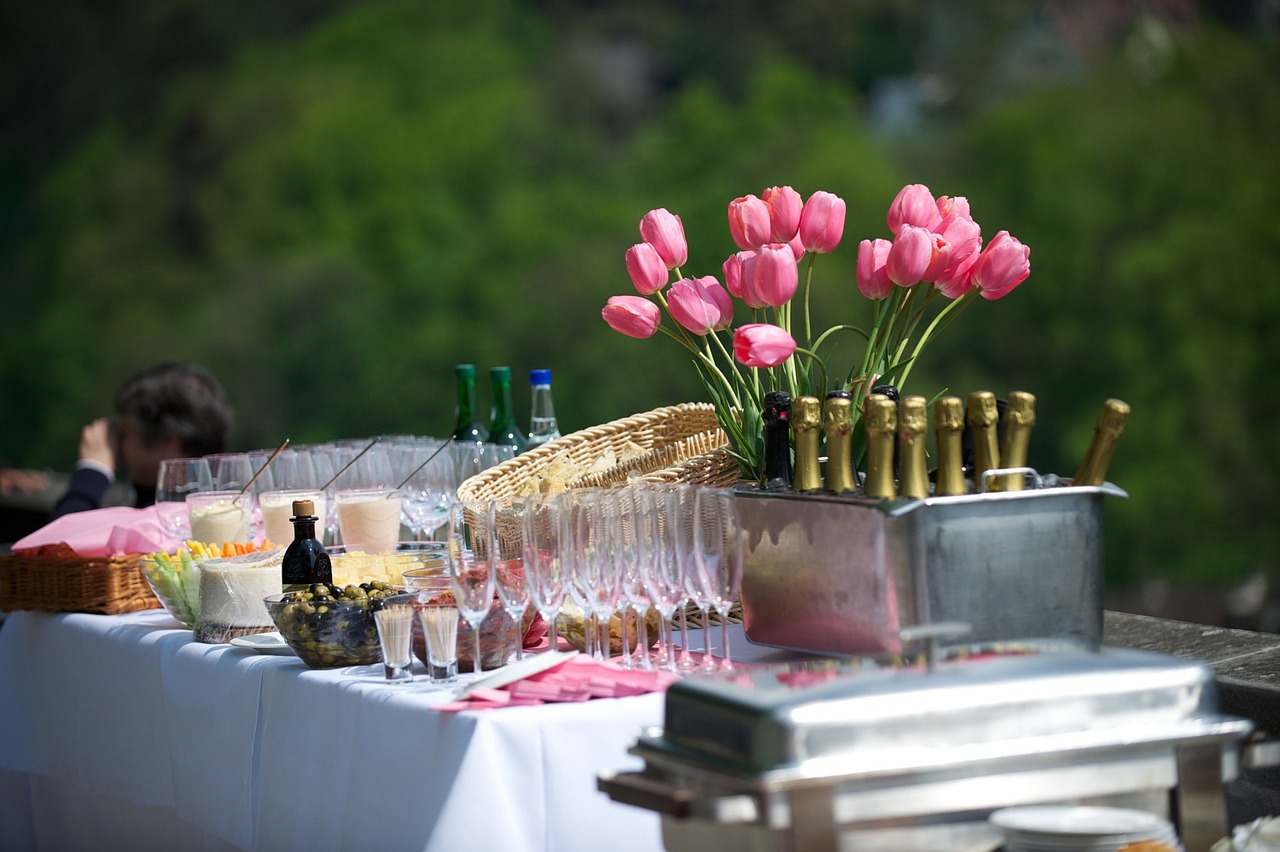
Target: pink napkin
x,y
103,532
578,679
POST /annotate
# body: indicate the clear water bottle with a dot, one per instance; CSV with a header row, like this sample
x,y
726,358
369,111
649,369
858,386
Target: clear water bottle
x,y
542,420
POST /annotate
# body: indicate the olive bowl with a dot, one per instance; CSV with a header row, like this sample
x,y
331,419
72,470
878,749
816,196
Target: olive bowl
x,y
328,634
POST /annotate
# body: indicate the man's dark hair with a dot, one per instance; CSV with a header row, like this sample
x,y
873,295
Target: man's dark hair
x,y
178,399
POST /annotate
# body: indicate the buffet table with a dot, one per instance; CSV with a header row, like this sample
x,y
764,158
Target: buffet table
x,y
120,732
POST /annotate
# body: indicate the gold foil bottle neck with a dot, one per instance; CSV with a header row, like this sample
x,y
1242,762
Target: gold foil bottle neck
x,y
881,416
913,432
984,415
1107,430
948,424
837,424
806,421
1019,419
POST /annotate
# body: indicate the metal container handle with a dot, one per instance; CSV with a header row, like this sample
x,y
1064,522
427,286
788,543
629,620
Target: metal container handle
x,y
1006,471
642,791
932,635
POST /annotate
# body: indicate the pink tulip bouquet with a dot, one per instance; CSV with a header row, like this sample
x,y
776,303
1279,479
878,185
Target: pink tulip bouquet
x,y
915,283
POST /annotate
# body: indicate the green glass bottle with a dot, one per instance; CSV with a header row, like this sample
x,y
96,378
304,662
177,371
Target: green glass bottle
x,y
503,430
465,425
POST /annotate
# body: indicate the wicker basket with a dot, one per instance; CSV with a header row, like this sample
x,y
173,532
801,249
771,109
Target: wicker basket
x,y
109,585
669,435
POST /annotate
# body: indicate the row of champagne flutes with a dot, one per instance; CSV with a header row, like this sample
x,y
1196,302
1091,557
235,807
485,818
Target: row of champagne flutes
x,y
420,473
613,552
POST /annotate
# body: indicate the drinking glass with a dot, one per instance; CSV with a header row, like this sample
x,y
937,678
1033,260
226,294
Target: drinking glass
x,y
544,559
472,554
440,626
277,508
680,521
369,518
575,544
596,569
625,531
231,471
220,516
176,479
719,556
395,628
426,477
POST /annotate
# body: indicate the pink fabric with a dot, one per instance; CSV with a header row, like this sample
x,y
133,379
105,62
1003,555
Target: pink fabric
x,y
111,531
578,679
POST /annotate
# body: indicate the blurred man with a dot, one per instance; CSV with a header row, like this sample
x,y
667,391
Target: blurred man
x,y
168,411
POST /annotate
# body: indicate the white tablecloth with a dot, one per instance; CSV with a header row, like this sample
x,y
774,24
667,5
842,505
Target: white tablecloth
x,y
120,732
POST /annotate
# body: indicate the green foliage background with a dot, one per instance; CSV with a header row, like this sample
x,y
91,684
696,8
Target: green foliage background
x,y
330,204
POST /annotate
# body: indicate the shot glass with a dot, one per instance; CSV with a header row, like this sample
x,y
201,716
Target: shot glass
x,y
395,628
440,626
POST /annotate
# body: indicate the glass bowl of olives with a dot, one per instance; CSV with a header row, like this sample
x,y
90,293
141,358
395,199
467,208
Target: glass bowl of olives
x,y
331,626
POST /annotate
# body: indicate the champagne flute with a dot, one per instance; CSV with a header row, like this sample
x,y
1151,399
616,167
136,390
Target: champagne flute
x,y
638,546
472,554
545,557
659,565
175,480
510,577
720,548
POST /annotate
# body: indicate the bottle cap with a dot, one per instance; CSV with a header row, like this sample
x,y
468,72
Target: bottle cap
x,y
303,508
500,374
540,377
465,371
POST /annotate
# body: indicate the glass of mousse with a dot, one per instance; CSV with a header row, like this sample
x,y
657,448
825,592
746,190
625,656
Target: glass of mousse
x,y
369,518
220,516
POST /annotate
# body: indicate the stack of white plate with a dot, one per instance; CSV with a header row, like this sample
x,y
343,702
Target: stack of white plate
x,y
1068,828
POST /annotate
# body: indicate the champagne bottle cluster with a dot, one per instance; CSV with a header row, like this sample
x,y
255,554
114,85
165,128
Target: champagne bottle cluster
x,y
897,430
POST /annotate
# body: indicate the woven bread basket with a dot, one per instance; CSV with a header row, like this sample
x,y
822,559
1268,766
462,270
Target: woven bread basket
x,y
108,585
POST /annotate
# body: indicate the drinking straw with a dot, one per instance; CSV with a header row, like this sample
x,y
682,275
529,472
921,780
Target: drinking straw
x,y
367,448
259,471
424,464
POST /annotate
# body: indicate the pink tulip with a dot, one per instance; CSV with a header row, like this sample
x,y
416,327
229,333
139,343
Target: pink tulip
x,y
822,222
734,273
797,247
914,205
959,278
700,304
633,316
771,277
872,275
749,222
785,206
910,256
1004,264
962,238
664,231
762,345
958,205
647,270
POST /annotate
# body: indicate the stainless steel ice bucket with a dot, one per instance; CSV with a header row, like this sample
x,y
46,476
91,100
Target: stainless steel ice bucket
x,y
843,575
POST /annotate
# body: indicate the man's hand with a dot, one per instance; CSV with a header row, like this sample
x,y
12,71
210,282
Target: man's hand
x,y
95,443
15,481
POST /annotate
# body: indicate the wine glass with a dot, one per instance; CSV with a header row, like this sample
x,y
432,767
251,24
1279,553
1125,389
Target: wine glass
x,y
175,480
472,554
422,469
719,554
545,558
230,471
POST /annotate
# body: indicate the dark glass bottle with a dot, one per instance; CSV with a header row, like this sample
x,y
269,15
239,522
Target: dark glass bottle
x,y
305,559
503,430
776,414
465,425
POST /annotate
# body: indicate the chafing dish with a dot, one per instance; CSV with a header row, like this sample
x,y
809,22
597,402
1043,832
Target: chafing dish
x,y
866,755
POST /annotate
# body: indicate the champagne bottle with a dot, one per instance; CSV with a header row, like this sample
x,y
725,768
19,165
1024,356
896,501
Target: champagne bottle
x,y
542,411
806,420
503,429
881,417
913,430
984,419
1108,429
948,425
837,425
776,414
465,425
305,559
1019,419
